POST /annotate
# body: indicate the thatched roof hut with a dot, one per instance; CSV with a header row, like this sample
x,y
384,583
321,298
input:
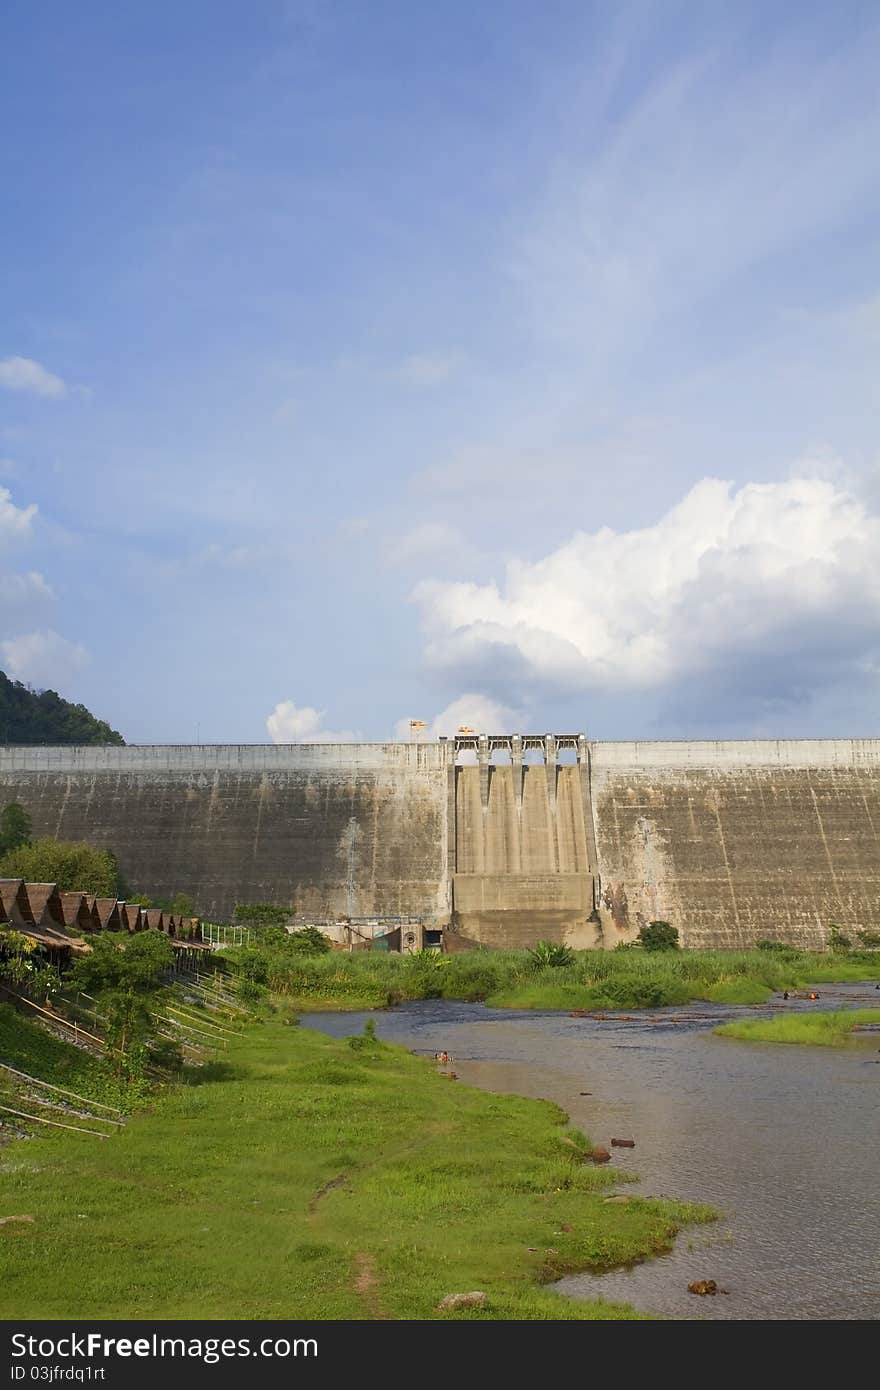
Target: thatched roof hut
x,y
106,913
77,911
155,918
131,916
14,902
47,909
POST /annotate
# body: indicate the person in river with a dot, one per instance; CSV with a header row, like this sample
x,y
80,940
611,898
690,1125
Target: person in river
x,y
785,994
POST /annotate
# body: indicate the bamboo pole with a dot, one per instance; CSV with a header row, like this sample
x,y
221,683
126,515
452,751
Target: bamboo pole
x,y
95,1104
38,1120
56,1018
208,1023
190,1028
83,1114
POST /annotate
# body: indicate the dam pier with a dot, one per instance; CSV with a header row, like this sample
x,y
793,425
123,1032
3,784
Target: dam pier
x,y
499,840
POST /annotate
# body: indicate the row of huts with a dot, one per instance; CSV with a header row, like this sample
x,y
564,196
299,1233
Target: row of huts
x,y
61,922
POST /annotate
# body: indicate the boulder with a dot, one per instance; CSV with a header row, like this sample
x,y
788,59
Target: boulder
x,y
461,1300
703,1286
600,1155
623,1143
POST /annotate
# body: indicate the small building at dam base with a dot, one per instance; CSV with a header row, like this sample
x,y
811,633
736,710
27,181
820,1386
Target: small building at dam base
x,y
495,840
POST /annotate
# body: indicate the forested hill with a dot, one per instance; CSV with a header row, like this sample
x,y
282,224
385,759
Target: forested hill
x,y
31,716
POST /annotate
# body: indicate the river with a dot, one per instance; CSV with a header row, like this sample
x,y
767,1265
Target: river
x,y
784,1141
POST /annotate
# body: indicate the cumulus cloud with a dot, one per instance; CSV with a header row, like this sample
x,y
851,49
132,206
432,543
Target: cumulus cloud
x,y
290,723
775,585
472,711
42,658
14,521
23,374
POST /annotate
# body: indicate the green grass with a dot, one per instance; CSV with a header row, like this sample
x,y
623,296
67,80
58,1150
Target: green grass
x,y
629,979
819,1029
305,1178
739,991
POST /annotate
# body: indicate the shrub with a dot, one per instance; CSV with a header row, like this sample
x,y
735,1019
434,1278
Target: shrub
x,y
308,942
252,965
836,939
659,936
367,1039
252,992
15,827
75,867
262,914
548,953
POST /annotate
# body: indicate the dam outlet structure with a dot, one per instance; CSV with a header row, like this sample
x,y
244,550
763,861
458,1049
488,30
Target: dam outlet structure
x,y
495,840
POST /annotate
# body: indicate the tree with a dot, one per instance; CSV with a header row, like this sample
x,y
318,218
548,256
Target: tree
x,y
122,973
15,827
262,914
41,716
134,962
659,936
75,867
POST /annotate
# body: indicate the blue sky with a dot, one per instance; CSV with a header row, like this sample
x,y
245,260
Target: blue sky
x,y
494,364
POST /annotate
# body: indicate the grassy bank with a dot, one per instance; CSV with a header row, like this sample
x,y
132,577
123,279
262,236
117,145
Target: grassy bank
x,y
629,979
819,1029
303,1176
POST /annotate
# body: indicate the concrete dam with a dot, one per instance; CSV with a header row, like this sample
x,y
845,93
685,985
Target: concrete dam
x,y
501,840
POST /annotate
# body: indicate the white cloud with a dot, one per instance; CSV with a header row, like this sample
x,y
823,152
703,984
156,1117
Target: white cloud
x,y
42,658
778,583
14,521
290,723
24,599
23,374
472,711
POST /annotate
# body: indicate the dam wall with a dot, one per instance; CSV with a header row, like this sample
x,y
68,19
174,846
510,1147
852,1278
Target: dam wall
x,y
737,841
329,829
500,840
522,866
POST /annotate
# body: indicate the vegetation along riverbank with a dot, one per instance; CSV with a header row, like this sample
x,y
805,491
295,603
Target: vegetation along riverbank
x,y
557,978
303,1175
817,1029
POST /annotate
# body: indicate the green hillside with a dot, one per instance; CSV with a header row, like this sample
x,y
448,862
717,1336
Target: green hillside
x,y
41,716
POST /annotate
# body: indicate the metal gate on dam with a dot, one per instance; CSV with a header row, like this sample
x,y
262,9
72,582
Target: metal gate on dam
x,y
496,839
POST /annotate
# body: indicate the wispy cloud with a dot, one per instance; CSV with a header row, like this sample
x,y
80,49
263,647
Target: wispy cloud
x,y
14,521
23,374
428,538
426,369
43,658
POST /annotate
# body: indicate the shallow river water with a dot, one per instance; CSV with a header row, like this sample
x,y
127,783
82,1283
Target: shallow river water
x,y
784,1141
